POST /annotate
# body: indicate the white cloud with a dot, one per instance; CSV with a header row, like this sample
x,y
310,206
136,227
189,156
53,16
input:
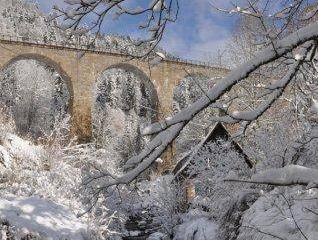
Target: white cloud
x,y
210,34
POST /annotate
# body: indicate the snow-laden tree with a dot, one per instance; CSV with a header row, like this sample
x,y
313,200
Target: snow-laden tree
x,y
19,18
35,95
281,214
125,102
246,39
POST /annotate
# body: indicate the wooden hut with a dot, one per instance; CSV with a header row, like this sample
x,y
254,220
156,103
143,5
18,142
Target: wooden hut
x,y
218,131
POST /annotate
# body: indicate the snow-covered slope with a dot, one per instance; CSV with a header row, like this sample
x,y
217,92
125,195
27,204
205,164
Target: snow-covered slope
x,y
37,191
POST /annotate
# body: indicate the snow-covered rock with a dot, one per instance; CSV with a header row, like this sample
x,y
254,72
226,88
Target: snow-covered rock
x,y
40,217
196,226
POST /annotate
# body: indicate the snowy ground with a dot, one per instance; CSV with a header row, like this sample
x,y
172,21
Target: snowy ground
x,y
37,190
42,218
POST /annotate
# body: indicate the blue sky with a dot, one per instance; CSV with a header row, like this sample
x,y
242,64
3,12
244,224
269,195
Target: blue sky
x,y
198,33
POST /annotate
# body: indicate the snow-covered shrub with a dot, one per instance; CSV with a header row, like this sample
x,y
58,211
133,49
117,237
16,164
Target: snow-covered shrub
x,y
54,170
160,198
305,149
271,145
34,172
282,143
138,209
142,208
214,162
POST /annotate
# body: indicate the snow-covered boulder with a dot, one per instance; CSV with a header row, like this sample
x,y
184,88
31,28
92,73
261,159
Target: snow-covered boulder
x,y
42,218
196,226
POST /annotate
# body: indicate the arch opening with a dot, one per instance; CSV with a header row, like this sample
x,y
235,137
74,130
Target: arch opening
x,y
36,93
124,102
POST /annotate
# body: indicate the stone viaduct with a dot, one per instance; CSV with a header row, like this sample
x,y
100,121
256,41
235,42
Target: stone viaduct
x,y
82,72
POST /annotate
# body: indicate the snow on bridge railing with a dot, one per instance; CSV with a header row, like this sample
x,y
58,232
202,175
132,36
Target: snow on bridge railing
x,y
77,44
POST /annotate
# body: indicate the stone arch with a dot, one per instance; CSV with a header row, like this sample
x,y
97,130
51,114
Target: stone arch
x,y
49,62
43,81
124,101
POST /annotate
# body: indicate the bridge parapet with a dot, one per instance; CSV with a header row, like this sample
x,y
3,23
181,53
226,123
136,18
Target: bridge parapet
x,y
78,44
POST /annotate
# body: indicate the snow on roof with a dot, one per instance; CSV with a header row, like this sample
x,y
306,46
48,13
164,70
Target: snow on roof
x,y
217,131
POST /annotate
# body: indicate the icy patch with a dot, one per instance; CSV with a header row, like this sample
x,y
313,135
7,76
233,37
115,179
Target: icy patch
x,y
41,217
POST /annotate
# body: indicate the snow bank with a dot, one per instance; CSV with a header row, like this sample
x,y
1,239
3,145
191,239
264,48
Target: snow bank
x,y
41,218
16,151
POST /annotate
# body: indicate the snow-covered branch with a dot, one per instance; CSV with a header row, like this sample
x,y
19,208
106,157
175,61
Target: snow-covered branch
x,y
156,16
286,176
276,89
